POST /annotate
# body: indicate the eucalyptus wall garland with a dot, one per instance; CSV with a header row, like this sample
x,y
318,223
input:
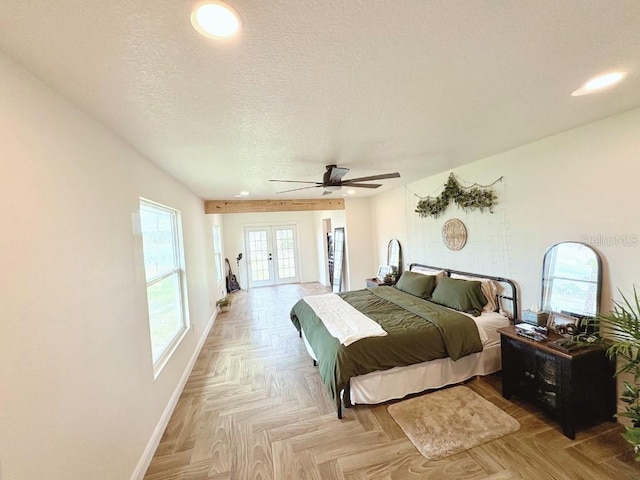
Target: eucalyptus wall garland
x,y
475,197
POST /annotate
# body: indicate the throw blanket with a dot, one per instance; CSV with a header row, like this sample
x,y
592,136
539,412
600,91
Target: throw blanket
x,y
343,321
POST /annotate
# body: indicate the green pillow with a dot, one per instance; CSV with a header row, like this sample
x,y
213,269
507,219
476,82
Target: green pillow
x,y
417,284
462,295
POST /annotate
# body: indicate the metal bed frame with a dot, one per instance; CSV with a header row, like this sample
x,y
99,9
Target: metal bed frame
x,y
509,295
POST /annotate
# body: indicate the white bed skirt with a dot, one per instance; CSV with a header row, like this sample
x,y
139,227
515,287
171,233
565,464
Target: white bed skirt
x,y
398,382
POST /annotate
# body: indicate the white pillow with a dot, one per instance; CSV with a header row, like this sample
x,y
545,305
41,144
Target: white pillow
x,y
490,289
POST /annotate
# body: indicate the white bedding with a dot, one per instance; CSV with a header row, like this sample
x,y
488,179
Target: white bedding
x,y
343,321
488,324
398,382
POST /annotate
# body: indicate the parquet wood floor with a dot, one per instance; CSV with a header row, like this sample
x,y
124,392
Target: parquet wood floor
x,y
254,408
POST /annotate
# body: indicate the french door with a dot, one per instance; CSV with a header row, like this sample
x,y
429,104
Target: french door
x,y
272,255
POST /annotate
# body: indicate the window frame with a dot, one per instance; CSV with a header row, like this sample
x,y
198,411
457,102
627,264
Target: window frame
x,y
178,271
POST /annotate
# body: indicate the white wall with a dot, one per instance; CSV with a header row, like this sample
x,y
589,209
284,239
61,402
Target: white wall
x,y
356,219
389,220
579,185
233,232
359,243
77,395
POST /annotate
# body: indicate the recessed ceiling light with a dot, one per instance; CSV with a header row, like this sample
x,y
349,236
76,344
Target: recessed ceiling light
x,y
244,194
599,82
237,195
215,19
351,192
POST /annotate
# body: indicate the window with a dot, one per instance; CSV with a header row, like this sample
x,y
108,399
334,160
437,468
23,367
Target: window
x,y
217,253
165,276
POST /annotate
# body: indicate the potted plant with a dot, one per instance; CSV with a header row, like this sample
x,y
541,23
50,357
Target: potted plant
x,y
223,303
623,337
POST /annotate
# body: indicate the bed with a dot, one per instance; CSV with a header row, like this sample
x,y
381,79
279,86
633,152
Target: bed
x,y
436,327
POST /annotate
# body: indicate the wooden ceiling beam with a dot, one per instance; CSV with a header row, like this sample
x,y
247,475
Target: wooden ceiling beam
x,y
253,206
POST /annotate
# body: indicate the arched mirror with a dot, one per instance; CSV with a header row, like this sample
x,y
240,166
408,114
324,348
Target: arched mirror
x,y
571,279
394,256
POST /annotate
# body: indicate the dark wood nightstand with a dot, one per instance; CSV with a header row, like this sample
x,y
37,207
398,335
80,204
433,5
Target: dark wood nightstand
x,y
574,387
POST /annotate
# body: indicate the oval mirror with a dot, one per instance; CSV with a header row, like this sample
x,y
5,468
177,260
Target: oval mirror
x,y
394,256
571,279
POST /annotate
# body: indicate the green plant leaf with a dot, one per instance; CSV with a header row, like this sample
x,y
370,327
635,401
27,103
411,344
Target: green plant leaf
x,y
632,435
623,328
466,198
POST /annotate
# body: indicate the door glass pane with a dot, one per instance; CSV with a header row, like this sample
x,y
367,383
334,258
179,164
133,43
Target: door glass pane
x,y
259,257
547,375
285,254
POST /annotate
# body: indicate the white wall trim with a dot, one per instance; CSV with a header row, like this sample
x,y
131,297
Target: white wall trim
x,y
154,441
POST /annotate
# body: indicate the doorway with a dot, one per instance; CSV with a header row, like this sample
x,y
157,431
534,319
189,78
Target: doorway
x,y
272,255
328,251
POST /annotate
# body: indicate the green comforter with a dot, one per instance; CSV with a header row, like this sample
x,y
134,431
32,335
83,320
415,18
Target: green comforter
x,y
417,331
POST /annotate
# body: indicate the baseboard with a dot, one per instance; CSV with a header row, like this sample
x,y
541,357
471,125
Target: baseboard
x,y
154,441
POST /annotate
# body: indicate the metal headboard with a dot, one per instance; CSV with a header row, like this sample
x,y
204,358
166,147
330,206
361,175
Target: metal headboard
x,y
508,295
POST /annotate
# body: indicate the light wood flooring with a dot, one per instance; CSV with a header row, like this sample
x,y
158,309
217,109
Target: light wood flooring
x,y
254,408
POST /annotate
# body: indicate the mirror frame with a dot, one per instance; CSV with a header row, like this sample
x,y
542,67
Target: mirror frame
x,y
545,279
395,242
338,258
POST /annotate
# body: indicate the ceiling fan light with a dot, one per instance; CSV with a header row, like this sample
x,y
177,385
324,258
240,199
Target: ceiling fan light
x,y
333,188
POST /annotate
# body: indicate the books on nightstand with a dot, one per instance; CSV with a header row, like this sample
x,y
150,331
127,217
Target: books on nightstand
x,y
532,332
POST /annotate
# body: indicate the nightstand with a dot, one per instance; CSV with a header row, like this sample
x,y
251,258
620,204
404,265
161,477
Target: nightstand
x,y
376,282
573,387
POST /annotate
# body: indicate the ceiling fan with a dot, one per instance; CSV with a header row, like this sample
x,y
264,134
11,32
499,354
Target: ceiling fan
x,y
332,180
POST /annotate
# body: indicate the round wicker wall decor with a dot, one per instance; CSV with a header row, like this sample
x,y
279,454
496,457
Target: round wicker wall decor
x,y
454,234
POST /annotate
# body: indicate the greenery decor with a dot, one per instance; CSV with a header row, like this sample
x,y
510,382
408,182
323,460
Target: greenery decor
x,y
623,338
468,198
224,303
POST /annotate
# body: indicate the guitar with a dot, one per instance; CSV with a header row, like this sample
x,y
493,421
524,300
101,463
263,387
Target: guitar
x,y
232,282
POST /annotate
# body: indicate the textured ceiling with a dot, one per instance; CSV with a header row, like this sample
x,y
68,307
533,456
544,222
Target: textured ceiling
x,y
415,86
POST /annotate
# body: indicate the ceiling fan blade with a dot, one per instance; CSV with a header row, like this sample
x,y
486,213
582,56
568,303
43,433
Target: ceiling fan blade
x,y
375,177
349,183
334,174
295,181
301,188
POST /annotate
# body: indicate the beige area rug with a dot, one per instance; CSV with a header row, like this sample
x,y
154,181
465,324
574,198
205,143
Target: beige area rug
x,y
449,421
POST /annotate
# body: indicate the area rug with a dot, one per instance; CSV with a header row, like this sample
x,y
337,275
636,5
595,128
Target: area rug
x,y
449,421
